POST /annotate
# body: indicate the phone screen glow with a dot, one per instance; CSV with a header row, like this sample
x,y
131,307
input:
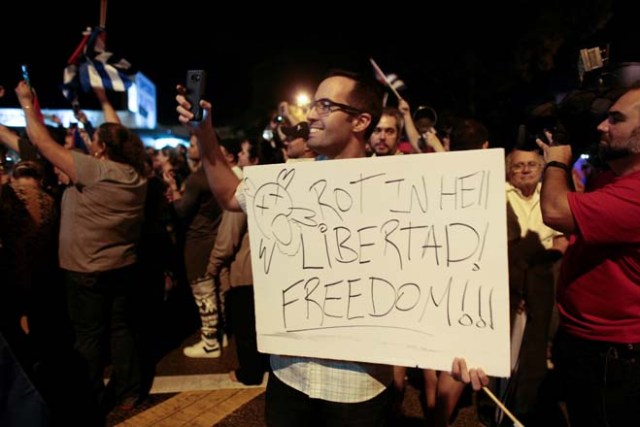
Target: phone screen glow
x,y
25,75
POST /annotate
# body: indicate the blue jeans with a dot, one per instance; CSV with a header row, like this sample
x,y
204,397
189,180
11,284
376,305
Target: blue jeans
x,y
102,311
600,381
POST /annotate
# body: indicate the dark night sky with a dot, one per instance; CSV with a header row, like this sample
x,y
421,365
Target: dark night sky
x,y
494,64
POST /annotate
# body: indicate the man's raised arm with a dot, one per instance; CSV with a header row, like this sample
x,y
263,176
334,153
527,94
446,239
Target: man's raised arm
x,y
222,181
554,203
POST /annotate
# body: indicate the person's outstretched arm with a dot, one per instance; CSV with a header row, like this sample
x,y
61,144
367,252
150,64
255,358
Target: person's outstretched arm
x,y
40,137
9,138
413,135
222,181
110,115
409,127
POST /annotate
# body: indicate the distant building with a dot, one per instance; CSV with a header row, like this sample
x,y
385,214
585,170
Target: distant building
x,y
140,114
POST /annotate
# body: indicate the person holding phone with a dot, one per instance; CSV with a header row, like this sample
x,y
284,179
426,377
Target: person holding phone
x,y
25,75
300,389
101,218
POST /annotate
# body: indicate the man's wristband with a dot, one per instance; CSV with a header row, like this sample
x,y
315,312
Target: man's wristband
x,y
556,164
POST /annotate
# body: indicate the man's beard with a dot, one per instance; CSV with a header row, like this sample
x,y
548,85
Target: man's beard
x,y
608,153
631,146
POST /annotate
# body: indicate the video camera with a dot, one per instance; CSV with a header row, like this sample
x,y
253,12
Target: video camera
x,y
574,119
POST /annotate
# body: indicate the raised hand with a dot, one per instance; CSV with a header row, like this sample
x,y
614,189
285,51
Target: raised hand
x,y
24,94
185,116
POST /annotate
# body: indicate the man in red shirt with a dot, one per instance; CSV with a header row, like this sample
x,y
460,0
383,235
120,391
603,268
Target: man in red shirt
x,y
597,350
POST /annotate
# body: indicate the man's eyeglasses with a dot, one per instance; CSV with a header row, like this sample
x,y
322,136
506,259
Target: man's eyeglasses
x,y
326,106
519,167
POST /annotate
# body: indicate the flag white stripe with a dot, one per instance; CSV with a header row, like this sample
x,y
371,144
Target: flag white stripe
x,y
94,77
98,69
116,81
398,84
69,74
103,57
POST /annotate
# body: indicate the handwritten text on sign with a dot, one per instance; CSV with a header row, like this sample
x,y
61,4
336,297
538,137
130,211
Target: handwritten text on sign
x,y
399,260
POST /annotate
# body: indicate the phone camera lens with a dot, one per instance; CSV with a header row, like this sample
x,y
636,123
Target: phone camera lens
x,y
195,77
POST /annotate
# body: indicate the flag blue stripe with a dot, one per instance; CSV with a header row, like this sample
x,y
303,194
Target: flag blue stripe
x,y
97,68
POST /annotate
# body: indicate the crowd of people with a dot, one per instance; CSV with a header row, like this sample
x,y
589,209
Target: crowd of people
x,y
80,251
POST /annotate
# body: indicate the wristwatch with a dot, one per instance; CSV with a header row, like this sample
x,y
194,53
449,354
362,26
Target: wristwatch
x,y
556,164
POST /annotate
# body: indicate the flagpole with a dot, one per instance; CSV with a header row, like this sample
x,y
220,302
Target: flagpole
x,y
384,76
103,13
504,409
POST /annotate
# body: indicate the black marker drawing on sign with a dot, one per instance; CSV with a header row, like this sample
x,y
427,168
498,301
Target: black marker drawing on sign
x,y
312,304
277,218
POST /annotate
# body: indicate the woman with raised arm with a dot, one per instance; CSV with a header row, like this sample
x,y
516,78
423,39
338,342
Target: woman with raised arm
x,y
101,217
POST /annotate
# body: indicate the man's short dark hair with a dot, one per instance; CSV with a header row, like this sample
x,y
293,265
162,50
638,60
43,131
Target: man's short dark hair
x,y
397,115
366,96
468,134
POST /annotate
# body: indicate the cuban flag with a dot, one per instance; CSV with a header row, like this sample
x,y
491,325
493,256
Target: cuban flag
x,y
392,81
395,82
91,66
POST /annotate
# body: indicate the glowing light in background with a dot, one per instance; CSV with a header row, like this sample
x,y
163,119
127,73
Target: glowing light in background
x,y
302,99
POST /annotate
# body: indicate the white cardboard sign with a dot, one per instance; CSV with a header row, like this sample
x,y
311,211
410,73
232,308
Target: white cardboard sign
x,y
400,260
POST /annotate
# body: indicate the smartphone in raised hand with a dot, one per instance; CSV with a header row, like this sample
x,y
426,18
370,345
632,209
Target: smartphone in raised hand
x,y
25,75
196,83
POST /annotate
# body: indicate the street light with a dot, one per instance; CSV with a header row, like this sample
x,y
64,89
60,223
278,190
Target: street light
x,y
302,99
302,102
298,112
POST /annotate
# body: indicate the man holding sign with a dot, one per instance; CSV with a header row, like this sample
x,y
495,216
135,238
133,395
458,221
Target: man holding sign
x,y
302,389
